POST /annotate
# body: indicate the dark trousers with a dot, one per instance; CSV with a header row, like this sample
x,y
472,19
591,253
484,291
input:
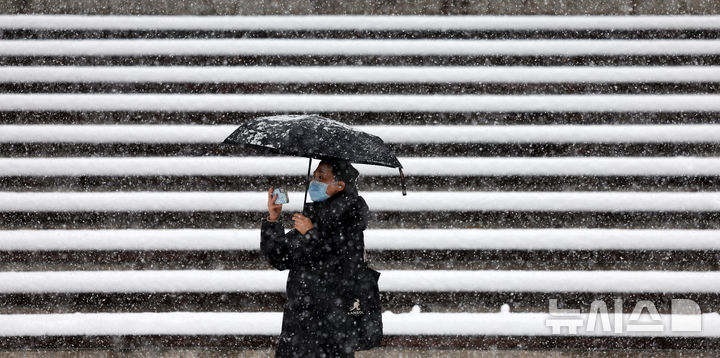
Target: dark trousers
x,y
285,349
281,354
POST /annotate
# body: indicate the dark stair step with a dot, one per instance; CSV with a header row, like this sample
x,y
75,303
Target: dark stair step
x,y
366,88
32,34
396,302
420,219
237,344
363,60
418,259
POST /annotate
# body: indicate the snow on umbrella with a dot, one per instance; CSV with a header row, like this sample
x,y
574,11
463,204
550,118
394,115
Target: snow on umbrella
x,y
314,136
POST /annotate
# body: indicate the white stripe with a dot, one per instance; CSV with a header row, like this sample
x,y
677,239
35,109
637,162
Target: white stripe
x,y
358,103
325,22
113,133
690,133
359,74
541,239
158,133
539,324
270,323
549,281
390,281
130,239
377,201
375,239
328,47
295,166
176,323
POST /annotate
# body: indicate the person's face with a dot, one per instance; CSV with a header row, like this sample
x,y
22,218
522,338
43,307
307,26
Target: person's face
x,y
323,173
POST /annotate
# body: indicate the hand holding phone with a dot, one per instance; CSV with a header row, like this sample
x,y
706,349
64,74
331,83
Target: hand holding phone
x,y
273,208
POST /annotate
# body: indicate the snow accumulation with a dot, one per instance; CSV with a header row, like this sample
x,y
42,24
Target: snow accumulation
x,y
269,323
431,166
662,133
390,281
131,239
378,201
113,133
375,239
414,323
541,239
345,47
431,23
359,103
159,133
361,74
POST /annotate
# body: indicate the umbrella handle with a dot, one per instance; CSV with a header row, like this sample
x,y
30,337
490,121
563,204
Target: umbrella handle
x,y
402,182
307,183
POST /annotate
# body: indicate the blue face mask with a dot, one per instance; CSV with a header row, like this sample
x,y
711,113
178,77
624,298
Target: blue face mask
x,y
318,191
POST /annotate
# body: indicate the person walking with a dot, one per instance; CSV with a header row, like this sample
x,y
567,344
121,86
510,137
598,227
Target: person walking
x,y
325,251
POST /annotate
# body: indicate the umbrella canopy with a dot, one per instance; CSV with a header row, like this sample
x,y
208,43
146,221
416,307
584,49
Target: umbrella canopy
x,y
314,136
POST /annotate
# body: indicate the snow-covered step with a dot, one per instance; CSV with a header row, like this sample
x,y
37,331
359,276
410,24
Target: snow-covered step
x,y
360,74
411,324
420,201
343,47
359,103
107,281
198,59
368,23
294,166
375,239
399,134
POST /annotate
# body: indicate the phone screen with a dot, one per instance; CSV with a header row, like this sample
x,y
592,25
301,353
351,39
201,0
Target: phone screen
x,y
282,196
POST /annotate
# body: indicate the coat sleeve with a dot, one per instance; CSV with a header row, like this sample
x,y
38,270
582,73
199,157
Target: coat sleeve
x,y
308,248
285,250
275,244
312,248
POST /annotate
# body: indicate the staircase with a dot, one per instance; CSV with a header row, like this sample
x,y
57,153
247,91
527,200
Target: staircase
x,y
566,158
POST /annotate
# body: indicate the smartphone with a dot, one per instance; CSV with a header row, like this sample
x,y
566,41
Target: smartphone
x,y
282,196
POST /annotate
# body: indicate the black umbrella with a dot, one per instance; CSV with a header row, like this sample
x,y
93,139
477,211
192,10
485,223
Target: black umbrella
x,y
314,136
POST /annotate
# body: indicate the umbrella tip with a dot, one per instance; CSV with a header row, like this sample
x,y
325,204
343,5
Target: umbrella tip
x,y
402,181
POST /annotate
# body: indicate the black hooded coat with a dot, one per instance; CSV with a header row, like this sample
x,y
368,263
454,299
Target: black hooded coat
x,y
323,297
